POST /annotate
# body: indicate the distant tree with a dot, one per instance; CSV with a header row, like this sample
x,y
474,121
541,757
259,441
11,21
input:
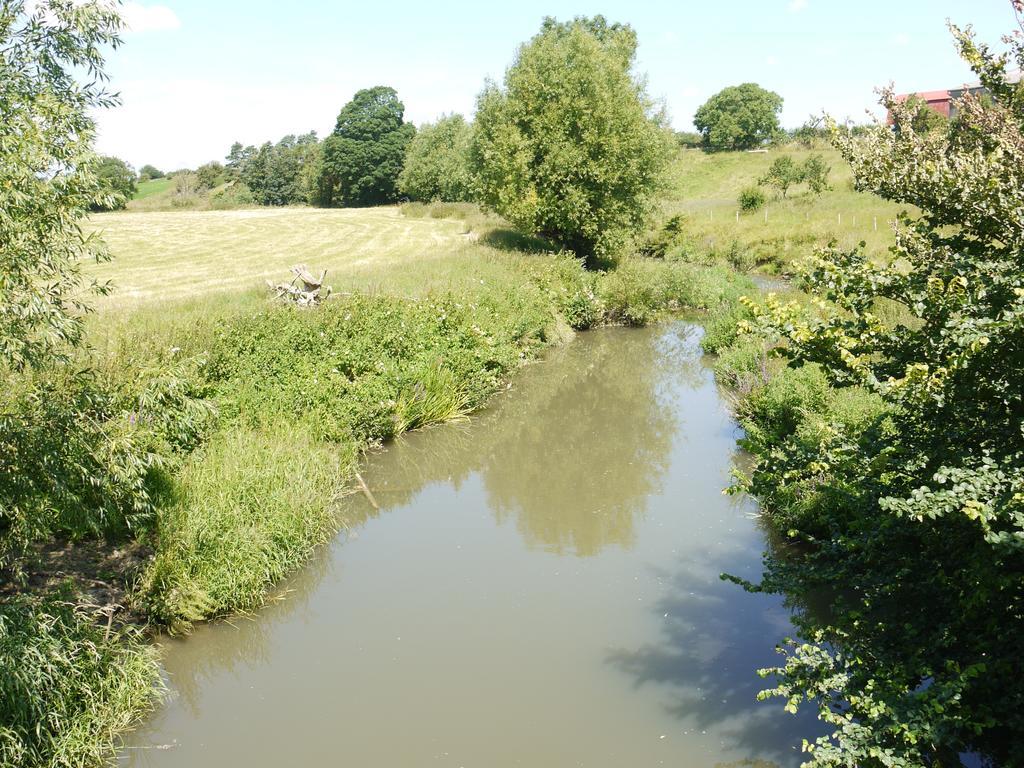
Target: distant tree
x,y
117,181
47,178
437,162
783,173
739,117
689,139
571,147
186,186
210,175
280,174
238,156
815,172
811,132
149,172
363,157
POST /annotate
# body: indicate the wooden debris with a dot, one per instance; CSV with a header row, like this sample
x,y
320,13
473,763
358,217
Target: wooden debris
x,y
305,289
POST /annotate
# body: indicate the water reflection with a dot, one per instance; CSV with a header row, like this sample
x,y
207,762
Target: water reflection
x,y
571,456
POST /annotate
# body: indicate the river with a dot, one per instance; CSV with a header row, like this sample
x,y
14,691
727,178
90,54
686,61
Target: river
x,y
539,587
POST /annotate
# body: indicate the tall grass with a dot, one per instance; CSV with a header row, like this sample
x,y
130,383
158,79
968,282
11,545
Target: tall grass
x,y
248,509
68,686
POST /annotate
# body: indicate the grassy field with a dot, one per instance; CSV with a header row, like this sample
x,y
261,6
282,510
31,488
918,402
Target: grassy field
x,y
704,188
153,187
169,256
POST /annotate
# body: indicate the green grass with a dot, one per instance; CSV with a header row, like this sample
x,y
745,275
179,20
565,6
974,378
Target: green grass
x,y
704,188
146,189
68,686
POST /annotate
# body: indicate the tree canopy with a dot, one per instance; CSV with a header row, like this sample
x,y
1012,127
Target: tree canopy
x,y
363,157
739,117
117,182
437,162
48,180
571,147
278,174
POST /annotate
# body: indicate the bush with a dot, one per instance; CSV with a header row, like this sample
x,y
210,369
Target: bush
x,y
892,450
82,460
209,175
815,173
236,195
751,199
149,172
783,173
665,239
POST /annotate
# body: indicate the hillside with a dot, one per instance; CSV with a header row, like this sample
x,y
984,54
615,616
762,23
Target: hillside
x,y
704,187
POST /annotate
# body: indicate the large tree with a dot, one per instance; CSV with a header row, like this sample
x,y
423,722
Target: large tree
x,y
48,178
363,156
739,117
571,147
437,162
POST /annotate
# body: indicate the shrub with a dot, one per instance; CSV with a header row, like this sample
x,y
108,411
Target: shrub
x,y
783,173
751,199
149,172
236,195
666,238
815,172
893,448
209,175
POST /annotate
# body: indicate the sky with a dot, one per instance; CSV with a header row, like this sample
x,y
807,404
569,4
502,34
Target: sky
x,y
196,75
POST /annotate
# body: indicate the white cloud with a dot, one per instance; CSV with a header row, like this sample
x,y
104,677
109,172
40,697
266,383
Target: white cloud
x,y
148,18
901,39
795,6
136,16
771,61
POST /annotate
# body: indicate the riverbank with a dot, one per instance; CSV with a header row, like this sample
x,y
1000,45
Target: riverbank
x,y
257,416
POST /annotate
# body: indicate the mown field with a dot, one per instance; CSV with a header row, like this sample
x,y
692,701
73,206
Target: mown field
x,y
169,256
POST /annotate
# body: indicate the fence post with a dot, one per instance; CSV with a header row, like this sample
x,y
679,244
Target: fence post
x,y
840,219
737,217
765,215
876,223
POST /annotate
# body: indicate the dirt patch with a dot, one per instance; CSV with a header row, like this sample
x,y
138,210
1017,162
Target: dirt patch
x,y
97,574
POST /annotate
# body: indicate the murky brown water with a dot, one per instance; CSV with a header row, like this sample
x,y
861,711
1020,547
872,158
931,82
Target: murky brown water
x,y
540,588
